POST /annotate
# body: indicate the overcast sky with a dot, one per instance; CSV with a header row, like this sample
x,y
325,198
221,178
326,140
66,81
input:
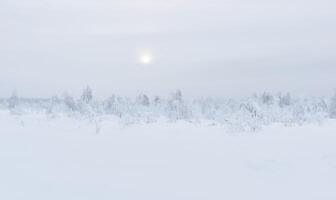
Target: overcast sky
x,y
215,47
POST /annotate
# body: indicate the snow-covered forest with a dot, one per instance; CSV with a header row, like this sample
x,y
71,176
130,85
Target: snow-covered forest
x,y
167,100
244,114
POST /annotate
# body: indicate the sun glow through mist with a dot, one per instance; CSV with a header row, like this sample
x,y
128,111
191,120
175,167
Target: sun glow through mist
x,y
146,58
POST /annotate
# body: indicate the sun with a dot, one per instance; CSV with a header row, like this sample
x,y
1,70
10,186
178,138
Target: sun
x,y
146,58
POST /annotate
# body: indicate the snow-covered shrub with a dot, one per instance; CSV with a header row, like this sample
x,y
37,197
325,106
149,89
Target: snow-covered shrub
x,y
239,114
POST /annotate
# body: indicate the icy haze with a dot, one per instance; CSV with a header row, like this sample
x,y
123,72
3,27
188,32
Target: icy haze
x,y
232,99
218,47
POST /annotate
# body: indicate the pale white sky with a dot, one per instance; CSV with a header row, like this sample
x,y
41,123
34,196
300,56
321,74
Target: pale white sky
x,y
216,47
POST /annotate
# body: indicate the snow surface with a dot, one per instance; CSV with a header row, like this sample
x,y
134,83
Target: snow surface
x,y
65,159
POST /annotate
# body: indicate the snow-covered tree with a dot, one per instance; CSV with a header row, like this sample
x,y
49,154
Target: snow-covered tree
x,y
54,102
177,96
13,101
285,100
332,107
157,100
247,114
143,99
177,107
87,95
267,98
69,102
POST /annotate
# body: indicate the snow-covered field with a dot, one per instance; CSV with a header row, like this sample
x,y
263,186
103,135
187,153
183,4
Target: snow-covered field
x,y
182,100
65,159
